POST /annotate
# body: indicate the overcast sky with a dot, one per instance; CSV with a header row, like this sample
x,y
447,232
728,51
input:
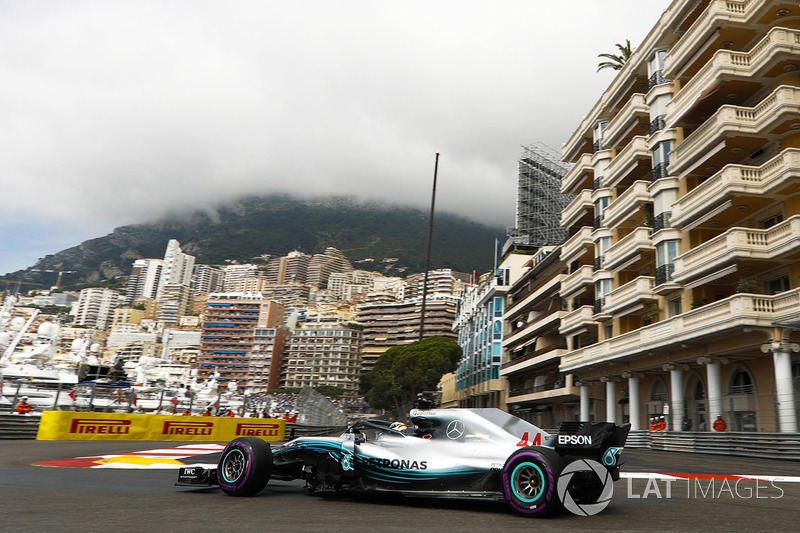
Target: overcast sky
x,y
117,112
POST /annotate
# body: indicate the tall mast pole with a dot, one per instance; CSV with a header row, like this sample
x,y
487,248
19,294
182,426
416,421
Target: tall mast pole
x,y
428,256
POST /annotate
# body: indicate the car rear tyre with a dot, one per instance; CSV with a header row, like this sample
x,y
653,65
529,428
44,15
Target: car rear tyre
x,y
529,481
244,467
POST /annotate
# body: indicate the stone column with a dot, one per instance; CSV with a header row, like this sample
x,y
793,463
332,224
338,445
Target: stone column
x,y
585,416
784,391
633,400
611,400
676,407
714,386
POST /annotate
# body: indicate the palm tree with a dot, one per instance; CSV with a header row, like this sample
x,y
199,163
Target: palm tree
x,y
616,62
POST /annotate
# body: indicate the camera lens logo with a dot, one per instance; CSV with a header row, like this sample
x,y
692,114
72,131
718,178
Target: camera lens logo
x,y
594,469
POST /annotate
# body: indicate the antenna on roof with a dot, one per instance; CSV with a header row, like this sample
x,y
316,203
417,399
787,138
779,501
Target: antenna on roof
x,y
428,256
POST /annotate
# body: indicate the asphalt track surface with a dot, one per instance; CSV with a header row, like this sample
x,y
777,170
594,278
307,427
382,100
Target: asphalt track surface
x,y
37,498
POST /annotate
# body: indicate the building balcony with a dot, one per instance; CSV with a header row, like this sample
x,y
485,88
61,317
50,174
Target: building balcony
x,y
781,241
635,244
577,320
580,208
544,392
719,13
533,359
574,283
631,120
764,182
725,66
578,177
713,320
546,321
632,295
628,206
635,155
577,245
541,294
769,118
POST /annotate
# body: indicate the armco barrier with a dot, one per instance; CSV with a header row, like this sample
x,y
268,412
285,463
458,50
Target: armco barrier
x,y
70,425
18,426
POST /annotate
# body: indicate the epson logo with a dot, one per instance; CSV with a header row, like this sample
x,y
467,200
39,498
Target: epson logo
x,y
575,439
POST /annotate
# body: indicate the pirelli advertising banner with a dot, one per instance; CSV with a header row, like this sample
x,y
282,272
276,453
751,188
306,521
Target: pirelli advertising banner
x,y
70,425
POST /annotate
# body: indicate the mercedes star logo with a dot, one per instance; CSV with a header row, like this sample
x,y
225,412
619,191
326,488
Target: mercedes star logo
x,y
455,429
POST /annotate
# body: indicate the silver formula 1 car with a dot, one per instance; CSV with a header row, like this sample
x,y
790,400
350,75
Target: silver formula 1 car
x,y
455,453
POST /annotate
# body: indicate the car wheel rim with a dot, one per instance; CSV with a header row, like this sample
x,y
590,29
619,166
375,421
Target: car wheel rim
x,y
527,482
233,466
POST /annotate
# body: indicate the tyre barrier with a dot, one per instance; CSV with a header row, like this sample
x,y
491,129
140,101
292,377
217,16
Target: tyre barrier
x,y
13,426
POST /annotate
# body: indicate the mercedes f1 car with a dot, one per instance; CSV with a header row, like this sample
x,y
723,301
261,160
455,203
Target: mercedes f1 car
x,y
455,453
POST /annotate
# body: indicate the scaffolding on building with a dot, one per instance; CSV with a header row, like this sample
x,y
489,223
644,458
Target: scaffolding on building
x,y
539,198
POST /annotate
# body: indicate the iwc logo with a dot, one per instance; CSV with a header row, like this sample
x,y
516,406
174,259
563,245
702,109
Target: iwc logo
x,y
605,487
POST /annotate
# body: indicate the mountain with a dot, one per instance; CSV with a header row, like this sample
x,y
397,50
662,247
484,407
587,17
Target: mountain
x,y
367,233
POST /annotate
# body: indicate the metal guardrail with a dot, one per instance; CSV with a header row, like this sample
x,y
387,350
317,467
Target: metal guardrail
x,y
769,445
18,426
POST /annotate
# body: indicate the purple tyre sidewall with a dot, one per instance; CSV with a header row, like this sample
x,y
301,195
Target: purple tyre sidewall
x,y
550,483
248,456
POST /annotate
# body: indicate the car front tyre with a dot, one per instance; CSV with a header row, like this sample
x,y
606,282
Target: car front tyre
x,y
244,467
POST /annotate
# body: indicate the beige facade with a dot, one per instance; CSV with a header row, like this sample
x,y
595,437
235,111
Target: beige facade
x,y
683,277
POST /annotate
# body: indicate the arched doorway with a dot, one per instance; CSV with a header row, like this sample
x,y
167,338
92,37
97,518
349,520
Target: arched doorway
x,y
658,398
741,401
696,402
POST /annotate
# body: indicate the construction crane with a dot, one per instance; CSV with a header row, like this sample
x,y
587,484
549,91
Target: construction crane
x,y
61,272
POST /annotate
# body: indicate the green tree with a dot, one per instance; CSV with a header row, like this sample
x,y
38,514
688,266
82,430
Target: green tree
x,y
403,371
616,62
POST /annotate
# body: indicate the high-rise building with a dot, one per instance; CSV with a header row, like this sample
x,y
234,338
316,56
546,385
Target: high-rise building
x,y
229,338
207,279
325,352
441,281
95,307
685,227
143,281
177,268
292,268
235,274
324,264
393,323
174,304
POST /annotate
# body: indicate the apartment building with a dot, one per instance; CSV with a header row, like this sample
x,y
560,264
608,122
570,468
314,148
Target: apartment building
x,y
684,281
479,326
325,351
95,308
177,268
229,336
388,322
143,281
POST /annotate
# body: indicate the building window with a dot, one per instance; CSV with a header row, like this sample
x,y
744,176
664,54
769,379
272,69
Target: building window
x,y
674,307
768,222
777,285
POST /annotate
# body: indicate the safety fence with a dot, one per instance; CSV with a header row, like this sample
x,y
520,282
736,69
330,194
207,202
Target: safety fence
x,y
317,410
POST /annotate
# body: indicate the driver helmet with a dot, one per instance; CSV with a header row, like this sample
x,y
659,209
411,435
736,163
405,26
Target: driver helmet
x,y
398,426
